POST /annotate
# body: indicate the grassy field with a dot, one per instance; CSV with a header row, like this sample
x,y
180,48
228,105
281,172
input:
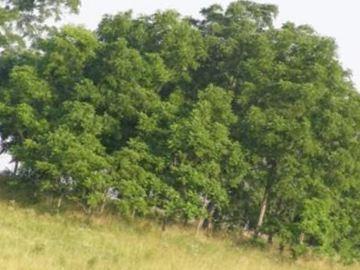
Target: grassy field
x,y
34,239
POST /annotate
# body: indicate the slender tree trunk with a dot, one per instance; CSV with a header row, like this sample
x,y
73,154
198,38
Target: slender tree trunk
x,y
208,222
200,225
16,168
202,220
301,238
265,199
59,202
22,139
102,208
263,208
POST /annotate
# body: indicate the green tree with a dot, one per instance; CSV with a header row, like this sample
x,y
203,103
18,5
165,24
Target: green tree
x,y
19,18
288,84
206,162
227,120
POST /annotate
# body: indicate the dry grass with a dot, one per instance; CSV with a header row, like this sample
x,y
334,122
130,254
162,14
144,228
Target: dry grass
x,y
33,240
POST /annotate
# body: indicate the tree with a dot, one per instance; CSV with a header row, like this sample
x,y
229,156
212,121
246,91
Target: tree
x,y
227,121
26,18
25,100
206,162
284,80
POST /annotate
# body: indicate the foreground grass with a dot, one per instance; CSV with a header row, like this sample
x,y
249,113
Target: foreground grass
x,y
33,240
33,237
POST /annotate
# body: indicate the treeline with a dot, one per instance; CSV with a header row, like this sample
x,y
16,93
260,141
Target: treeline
x,y
227,119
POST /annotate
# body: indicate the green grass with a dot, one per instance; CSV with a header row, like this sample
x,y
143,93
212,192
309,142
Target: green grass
x,y
33,238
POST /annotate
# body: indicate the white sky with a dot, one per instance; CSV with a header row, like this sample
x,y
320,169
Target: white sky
x,y
339,19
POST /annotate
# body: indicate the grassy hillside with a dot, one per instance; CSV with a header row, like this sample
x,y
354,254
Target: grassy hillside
x,y
34,239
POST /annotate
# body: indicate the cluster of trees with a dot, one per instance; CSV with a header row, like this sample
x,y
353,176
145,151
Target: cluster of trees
x,y
226,119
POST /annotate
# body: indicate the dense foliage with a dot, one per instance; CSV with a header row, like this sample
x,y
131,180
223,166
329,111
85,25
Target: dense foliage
x,y
27,18
227,120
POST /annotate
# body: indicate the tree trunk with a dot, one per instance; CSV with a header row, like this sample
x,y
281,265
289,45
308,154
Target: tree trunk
x,y
208,222
22,139
202,220
263,208
59,202
265,199
301,238
16,167
102,208
200,225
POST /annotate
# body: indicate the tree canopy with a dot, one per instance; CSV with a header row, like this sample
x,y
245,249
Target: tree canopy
x,y
26,18
225,119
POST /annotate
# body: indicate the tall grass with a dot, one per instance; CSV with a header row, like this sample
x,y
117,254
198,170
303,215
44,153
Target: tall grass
x,y
32,238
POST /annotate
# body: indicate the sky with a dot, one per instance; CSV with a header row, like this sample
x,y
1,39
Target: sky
x,y
339,19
